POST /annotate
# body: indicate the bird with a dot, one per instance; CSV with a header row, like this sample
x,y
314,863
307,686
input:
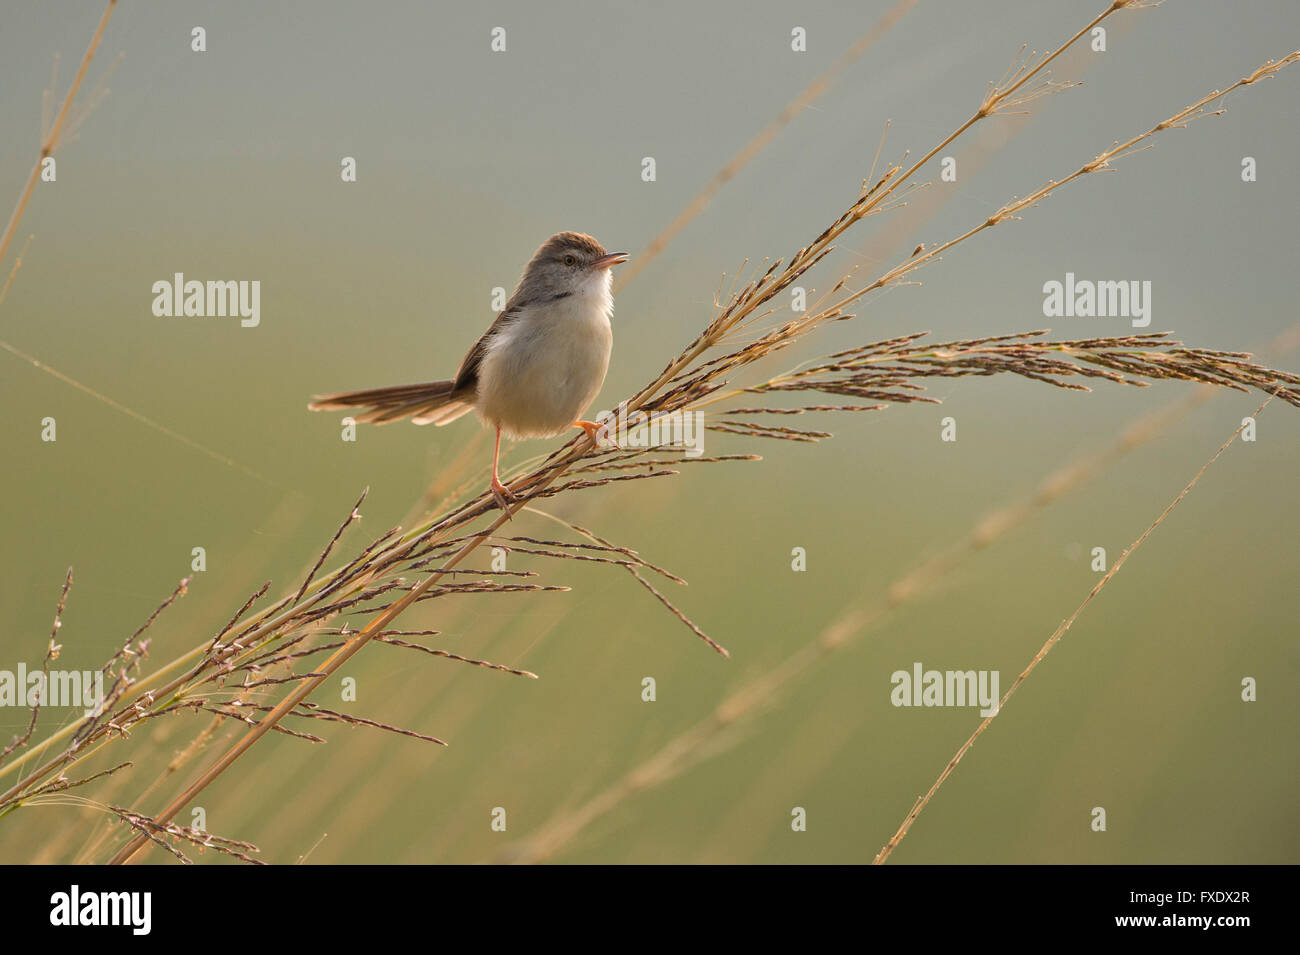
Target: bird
x,y
535,370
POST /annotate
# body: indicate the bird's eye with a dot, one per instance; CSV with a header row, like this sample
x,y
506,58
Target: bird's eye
x,y
570,260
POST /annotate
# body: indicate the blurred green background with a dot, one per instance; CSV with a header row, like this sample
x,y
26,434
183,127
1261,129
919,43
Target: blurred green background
x,y
225,165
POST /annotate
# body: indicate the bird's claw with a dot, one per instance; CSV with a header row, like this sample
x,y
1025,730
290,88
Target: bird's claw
x,y
594,431
503,496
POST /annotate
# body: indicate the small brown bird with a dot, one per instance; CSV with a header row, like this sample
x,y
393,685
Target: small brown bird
x,y
535,370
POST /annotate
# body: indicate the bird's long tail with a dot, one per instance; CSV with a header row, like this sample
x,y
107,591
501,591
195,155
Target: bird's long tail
x,y
433,402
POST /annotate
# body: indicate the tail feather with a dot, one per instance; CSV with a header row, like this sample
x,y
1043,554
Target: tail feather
x,y
431,402
444,415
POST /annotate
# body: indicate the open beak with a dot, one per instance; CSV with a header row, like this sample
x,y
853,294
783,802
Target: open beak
x,y
609,260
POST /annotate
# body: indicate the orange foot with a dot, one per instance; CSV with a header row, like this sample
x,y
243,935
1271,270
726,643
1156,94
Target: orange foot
x,y
594,432
502,494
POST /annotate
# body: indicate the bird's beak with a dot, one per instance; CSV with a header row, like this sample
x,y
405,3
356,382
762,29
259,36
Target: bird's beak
x,y
609,260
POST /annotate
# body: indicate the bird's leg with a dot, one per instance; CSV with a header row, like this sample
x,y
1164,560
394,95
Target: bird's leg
x,y
499,491
594,430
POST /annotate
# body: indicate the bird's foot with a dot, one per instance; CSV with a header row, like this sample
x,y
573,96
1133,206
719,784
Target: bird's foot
x,y
596,431
502,494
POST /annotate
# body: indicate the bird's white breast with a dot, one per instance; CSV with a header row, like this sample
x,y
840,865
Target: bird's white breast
x,y
543,370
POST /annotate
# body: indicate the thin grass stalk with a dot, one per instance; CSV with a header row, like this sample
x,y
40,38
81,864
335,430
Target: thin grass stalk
x,y
52,138
887,850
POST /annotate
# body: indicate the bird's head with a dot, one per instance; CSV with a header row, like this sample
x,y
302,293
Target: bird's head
x,y
568,264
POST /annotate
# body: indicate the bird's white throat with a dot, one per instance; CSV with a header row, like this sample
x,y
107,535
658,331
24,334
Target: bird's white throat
x,y
543,370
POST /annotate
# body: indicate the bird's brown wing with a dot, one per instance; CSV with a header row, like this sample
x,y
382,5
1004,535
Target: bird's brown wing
x,y
467,375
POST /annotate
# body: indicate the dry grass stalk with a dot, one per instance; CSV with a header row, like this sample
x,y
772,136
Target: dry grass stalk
x,y
54,132
51,653
202,839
